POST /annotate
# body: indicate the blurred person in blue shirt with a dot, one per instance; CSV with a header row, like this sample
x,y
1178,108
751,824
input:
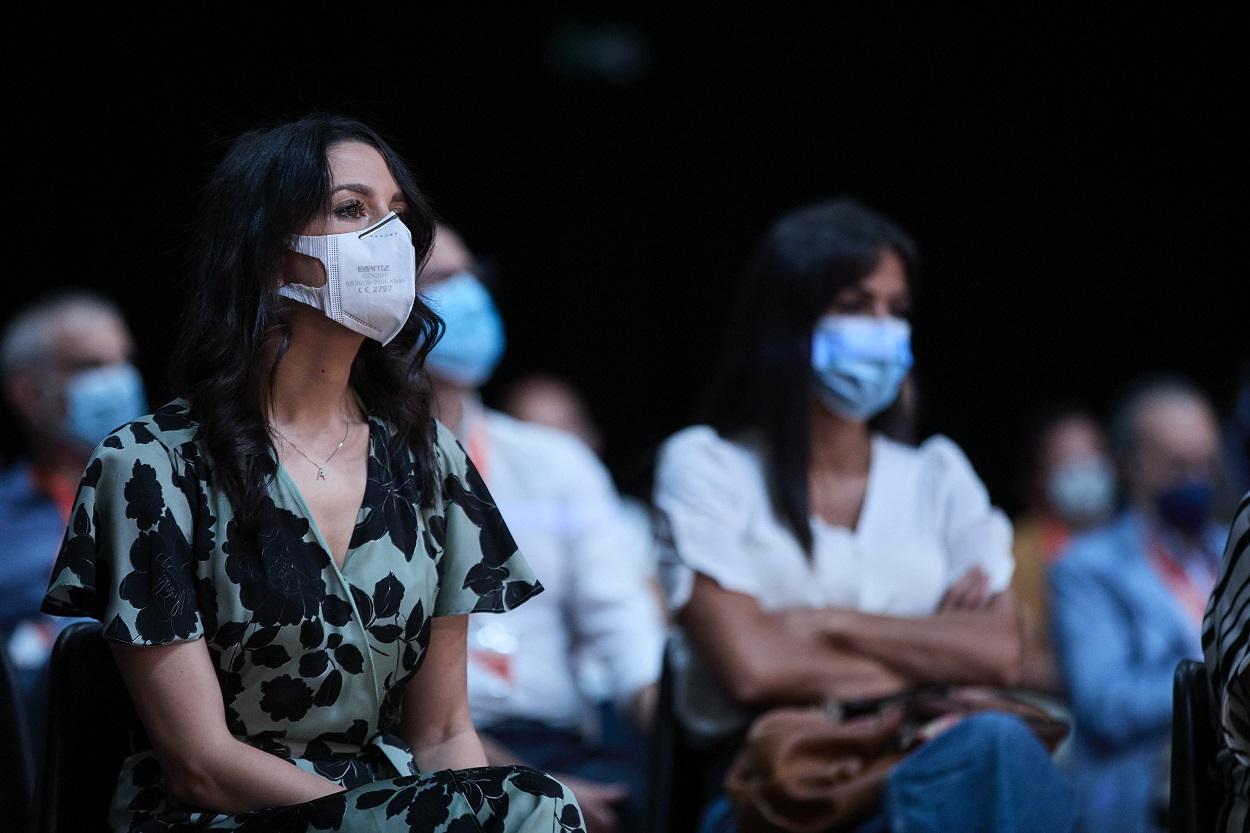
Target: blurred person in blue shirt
x,y
1128,599
68,382
538,678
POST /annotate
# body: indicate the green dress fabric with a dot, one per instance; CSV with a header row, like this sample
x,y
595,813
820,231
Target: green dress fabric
x,y
311,659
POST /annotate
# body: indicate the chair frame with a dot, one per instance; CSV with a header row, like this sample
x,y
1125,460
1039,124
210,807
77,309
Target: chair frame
x,y
682,777
17,793
1195,795
92,728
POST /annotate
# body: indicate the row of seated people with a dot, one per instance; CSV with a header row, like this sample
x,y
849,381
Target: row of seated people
x,y
815,553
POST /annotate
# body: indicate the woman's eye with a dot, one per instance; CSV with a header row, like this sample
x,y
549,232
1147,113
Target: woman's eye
x,y
352,210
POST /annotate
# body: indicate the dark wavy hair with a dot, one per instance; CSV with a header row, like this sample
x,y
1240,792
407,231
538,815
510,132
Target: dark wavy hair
x,y
764,385
271,183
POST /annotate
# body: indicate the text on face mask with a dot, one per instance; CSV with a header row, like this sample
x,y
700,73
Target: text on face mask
x,y
373,284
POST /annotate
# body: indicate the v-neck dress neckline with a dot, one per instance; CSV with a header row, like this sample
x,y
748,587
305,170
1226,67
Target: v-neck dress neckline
x,y
297,495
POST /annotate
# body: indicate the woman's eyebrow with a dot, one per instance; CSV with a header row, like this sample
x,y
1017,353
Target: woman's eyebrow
x,y
352,186
364,190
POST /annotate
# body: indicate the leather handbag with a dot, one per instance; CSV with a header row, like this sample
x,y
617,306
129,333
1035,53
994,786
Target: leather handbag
x,y
816,769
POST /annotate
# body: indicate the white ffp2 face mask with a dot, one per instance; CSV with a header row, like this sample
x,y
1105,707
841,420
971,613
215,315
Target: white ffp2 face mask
x,y
371,277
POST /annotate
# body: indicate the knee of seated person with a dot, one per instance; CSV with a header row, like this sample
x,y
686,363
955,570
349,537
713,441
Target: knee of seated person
x,y
994,730
538,782
548,794
532,794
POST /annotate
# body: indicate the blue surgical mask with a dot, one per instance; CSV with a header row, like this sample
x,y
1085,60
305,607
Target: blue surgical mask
x,y
1186,506
473,340
1082,491
860,362
100,399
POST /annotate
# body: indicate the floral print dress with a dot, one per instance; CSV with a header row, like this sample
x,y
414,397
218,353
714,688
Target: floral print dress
x,y
311,659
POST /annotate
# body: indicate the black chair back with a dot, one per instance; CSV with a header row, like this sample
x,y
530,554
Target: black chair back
x,y
15,787
1195,795
682,777
660,755
92,728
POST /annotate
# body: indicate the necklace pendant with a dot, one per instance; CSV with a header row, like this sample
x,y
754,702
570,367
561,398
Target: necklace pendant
x,y
321,473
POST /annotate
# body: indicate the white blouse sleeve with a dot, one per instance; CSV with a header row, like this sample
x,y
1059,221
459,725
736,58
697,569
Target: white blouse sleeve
x,y
699,490
974,533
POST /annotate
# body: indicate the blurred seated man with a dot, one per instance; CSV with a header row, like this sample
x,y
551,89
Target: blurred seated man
x,y
68,382
528,687
1128,600
1070,487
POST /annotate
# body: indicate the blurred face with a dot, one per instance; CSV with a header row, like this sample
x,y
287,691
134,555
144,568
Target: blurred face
x,y
87,338
363,191
1075,440
473,336
448,257
883,293
82,338
861,346
555,405
1177,441
1076,480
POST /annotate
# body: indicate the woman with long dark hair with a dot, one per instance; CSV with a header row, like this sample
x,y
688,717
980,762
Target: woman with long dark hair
x,y
819,558
283,558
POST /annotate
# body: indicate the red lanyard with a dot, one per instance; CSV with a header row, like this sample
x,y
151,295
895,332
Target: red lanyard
x,y
1182,585
61,490
478,449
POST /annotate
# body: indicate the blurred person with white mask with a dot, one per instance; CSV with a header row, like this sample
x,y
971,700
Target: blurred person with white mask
x,y
1069,487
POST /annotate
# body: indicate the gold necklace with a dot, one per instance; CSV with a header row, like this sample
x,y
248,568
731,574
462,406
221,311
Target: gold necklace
x,y
321,467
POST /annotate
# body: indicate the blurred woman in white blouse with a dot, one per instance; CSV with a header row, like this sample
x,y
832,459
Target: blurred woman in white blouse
x,y
816,558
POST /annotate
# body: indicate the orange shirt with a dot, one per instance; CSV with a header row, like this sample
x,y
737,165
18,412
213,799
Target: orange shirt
x,y
60,488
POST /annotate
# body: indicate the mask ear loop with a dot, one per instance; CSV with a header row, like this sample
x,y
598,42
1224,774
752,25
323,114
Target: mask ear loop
x,y
311,296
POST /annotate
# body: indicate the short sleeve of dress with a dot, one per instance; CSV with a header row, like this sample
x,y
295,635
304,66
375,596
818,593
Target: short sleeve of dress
x,y
127,557
700,491
480,569
974,532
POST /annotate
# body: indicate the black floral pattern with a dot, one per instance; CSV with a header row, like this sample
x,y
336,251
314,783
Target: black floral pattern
x,y
160,585
391,495
303,649
281,582
286,698
489,579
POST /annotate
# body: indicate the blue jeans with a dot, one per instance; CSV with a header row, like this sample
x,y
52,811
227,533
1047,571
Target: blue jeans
x,y
988,774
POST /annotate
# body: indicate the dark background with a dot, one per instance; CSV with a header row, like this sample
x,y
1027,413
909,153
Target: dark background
x,y
1075,182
